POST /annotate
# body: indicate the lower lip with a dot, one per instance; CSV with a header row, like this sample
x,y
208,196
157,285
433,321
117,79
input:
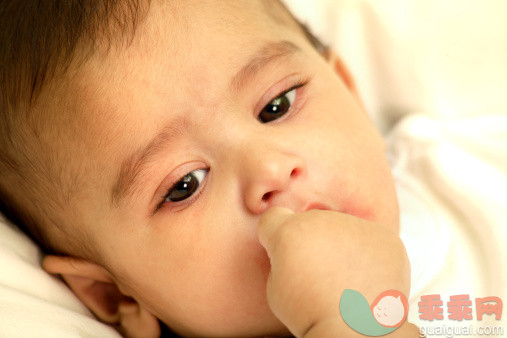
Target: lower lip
x,y
317,206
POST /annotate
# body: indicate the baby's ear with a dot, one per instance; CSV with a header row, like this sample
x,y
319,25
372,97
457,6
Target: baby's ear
x,y
341,69
96,288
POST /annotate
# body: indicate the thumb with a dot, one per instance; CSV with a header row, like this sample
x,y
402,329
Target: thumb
x,y
270,224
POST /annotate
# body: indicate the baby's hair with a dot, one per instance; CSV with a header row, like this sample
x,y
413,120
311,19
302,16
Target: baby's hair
x,y
39,42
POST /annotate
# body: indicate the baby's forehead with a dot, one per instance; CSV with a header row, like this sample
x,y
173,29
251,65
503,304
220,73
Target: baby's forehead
x,y
177,55
163,70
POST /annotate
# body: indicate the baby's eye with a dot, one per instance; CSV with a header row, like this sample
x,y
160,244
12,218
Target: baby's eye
x,y
278,107
186,186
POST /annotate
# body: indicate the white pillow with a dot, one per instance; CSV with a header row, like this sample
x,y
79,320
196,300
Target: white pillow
x,y
33,303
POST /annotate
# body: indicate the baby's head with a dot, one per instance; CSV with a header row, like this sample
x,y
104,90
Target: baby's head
x,y
147,149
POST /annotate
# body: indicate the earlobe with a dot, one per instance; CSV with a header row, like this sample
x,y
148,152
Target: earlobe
x,y
344,74
341,69
136,322
96,288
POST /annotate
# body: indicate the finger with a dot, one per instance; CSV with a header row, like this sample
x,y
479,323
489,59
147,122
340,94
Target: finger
x,y
269,223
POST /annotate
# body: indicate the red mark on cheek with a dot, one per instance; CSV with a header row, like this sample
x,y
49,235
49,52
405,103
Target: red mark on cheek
x,y
355,208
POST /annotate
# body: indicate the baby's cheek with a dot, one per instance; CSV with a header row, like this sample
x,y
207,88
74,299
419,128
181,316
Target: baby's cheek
x,y
260,258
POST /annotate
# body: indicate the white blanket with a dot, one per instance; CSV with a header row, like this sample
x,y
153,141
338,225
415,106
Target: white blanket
x,y
451,176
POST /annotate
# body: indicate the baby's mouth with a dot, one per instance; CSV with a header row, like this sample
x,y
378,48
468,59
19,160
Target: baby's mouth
x,y
318,206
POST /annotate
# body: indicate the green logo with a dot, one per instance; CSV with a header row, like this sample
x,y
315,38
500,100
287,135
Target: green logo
x,y
387,312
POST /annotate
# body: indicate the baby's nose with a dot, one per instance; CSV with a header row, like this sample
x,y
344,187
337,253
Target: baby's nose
x,y
269,178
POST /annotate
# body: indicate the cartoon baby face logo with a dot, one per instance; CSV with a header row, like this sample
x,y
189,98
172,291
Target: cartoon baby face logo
x,y
387,312
390,308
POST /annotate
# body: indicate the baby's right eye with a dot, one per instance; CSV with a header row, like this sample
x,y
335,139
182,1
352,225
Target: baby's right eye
x,y
186,186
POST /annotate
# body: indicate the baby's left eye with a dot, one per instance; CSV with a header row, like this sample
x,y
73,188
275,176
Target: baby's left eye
x,y
186,186
278,107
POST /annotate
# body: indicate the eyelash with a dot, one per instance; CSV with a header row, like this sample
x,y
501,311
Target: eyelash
x,y
297,83
163,204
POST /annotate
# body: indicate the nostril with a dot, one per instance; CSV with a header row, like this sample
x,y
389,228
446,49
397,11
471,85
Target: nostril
x,y
266,196
294,173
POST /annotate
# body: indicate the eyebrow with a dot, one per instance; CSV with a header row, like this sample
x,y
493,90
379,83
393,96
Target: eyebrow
x,y
133,168
269,53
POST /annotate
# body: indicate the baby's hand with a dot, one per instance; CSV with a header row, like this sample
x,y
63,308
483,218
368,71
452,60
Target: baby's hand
x,y
317,254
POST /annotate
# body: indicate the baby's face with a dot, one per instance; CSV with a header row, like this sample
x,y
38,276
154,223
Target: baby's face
x,y
212,115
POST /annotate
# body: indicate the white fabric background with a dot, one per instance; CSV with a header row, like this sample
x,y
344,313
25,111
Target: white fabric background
x,y
451,180
443,57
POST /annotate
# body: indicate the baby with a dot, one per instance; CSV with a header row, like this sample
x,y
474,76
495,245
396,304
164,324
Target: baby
x,y
203,164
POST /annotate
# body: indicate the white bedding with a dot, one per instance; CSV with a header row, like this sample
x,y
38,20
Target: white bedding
x,y
444,58
33,303
451,180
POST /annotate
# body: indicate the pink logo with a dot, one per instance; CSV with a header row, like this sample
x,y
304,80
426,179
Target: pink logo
x,y
459,307
430,307
489,305
390,308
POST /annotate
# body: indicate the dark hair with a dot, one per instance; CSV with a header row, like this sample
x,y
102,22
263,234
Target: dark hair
x,y
38,43
39,37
